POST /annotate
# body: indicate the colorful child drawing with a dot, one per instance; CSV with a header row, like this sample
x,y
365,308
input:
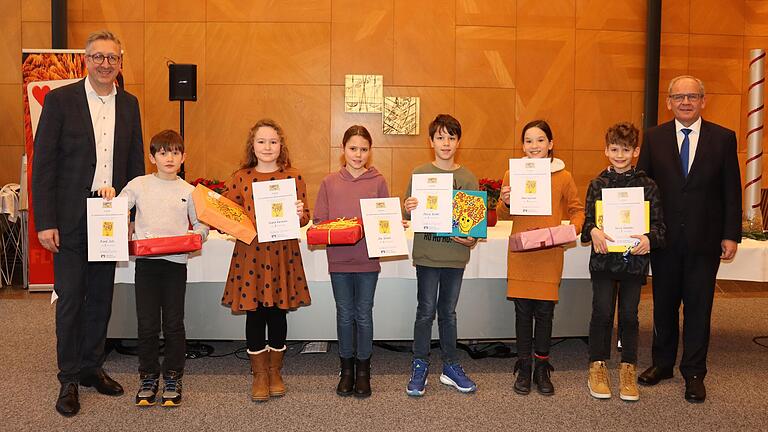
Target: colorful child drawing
x,y
468,211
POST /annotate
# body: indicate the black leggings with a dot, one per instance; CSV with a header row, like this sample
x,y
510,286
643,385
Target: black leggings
x,y
526,311
261,320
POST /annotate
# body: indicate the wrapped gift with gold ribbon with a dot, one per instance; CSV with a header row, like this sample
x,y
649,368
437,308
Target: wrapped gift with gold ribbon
x,y
165,245
341,231
223,214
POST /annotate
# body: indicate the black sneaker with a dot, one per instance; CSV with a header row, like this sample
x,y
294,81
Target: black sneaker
x,y
172,390
147,394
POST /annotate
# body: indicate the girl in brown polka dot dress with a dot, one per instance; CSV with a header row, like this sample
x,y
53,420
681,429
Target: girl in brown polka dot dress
x,y
266,279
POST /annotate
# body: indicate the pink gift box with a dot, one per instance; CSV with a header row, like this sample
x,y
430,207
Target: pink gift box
x,y
542,238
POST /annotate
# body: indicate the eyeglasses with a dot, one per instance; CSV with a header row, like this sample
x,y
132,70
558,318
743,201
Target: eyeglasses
x,y
692,97
98,58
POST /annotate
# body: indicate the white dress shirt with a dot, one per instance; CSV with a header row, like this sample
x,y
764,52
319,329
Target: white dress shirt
x,y
693,139
102,109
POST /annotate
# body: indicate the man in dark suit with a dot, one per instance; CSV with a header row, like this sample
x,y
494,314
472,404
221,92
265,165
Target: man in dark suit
x,y
695,165
89,136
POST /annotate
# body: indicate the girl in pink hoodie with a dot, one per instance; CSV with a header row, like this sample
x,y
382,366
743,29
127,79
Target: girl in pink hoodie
x,y
353,274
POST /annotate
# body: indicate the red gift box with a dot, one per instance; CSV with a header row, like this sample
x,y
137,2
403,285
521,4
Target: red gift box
x,y
165,245
542,238
340,231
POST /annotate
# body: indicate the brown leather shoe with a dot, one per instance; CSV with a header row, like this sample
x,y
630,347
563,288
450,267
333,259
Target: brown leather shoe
x,y
68,404
695,392
653,375
103,383
259,368
276,384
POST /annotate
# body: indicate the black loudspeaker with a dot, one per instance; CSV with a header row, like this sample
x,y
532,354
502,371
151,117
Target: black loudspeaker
x,y
182,82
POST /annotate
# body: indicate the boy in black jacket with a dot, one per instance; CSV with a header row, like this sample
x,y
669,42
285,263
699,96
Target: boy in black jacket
x,y
618,273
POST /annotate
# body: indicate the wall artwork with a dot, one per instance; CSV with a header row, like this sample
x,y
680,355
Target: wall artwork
x,y
401,116
363,93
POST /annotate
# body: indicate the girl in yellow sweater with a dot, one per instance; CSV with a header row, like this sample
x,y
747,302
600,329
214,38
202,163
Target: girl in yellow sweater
x,y
533,277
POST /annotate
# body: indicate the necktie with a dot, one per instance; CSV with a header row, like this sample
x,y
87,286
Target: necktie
x,y
684,151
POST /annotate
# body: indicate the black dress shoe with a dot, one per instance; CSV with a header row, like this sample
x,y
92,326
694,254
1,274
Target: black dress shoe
x,y
653,375
695,392
68,404
102,383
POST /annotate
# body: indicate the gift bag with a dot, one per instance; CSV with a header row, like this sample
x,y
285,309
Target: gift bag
x,y
223,214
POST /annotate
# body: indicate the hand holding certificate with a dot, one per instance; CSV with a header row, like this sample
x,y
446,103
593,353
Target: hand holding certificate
x,y
382,222
434,193
275,210
624,214
530,182
107,229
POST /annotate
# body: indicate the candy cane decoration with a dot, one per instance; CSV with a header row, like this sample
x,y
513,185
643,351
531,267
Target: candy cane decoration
x,y
754,133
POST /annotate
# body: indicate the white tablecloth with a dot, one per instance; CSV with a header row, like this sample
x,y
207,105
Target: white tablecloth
x,y
488,260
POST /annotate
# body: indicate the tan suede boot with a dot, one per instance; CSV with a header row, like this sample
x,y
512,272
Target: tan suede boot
x,y
259,368
276,384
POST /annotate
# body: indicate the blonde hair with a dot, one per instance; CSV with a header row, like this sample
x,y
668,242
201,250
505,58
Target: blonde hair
x,y
250,160
103,35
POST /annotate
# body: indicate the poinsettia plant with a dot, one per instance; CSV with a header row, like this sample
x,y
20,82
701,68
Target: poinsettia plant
x,y
493,188
212,184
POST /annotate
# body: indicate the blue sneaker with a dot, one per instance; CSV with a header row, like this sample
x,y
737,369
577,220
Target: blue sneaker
x,y
453,375
418,382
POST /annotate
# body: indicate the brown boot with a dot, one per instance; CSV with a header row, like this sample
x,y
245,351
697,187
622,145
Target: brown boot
x,y
259,368
276,384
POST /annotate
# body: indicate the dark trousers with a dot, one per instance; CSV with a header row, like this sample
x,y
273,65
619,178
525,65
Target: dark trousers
x,y
262,320
682,276
83,307
160,289
604,294
540,339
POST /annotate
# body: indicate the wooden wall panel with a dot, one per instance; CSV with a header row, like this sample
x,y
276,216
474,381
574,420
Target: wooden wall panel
x,y
487,117
424,43
131,35
10,45
268,53
302,111
611,15
545,80
549,14
36,34
269,11
499,13
362,41
10,164
756,18
485,57
36,10
717,17
595,112
676,16
11,116
610,60
175,10
113,11
405,160
587,164
673,59
717,60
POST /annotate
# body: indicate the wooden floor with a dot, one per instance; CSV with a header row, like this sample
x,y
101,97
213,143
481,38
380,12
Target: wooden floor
x,y
724,288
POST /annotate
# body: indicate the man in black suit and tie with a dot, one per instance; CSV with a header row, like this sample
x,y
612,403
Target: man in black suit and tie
x,y
89,136
695,165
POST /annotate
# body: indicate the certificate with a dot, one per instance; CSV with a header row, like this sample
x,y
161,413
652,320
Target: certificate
x,y
275,210
434,211
382,222
623,215
530,183
107,229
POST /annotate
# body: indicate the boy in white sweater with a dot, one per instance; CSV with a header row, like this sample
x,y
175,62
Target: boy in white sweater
x,y
164,208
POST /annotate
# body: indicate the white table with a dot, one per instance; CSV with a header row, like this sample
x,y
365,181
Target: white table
x,y
483,310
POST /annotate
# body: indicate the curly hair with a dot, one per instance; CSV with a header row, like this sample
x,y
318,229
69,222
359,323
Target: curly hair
x,y
250,160
623,134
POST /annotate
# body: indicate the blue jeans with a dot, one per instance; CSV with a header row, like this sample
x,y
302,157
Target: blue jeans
x,y
354,293
430,281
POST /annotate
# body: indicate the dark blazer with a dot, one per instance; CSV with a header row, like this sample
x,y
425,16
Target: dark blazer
x,y
64,159
704,208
